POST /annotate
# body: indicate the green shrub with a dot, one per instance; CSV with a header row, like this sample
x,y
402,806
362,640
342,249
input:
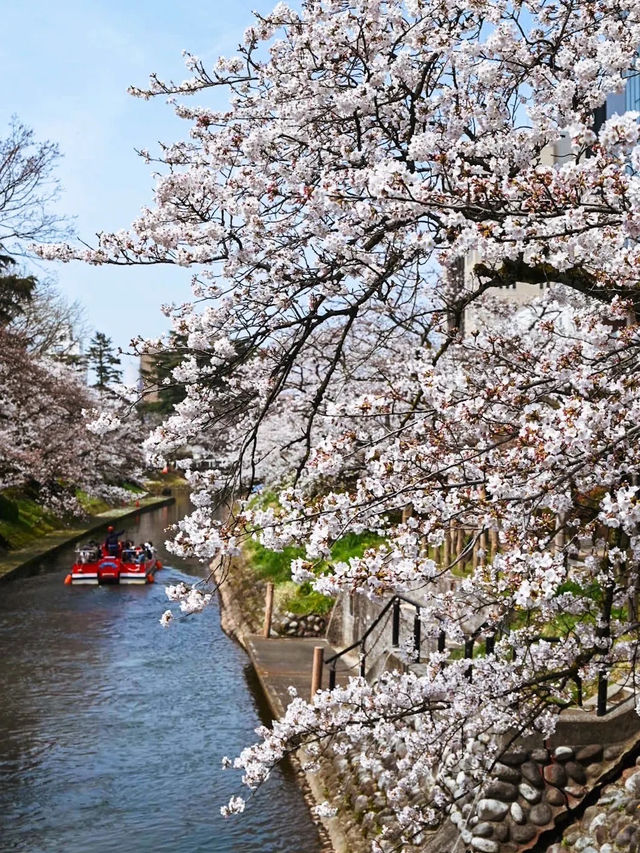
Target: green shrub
x,y
25,520
275,566
272,565
9,510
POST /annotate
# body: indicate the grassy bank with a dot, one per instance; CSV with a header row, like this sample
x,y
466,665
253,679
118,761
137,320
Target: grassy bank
x,y
23,521
302,599
262,565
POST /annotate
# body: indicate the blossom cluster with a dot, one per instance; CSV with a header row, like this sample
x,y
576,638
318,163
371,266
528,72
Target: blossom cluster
x,y
190,598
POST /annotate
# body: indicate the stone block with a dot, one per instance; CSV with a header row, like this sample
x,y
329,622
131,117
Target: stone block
x,y
490,809
507,774
541,756
576,772
483,829
529,793
517,813
501,831
590,754
532,774
555,774
632,784
626,837
485,845
563,753
523,833
504,791
541,814
515,757
555,797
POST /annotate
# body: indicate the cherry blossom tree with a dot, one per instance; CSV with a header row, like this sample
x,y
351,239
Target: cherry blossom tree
x,y
51,437
49,443
369,150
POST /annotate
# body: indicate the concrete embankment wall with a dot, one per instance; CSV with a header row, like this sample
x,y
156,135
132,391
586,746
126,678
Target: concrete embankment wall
x,y
33,559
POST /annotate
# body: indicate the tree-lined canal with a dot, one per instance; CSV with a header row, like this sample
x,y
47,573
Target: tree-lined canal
x,y
112,729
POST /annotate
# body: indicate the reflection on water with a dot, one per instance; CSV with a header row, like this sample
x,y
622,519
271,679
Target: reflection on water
x,y
112,729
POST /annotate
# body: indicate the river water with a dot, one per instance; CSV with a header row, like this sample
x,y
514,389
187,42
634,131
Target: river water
x,y
112,729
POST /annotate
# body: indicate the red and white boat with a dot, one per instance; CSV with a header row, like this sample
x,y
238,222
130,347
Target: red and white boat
x,y
95,565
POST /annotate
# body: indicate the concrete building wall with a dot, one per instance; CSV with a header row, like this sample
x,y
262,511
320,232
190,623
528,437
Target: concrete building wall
x,y
146,382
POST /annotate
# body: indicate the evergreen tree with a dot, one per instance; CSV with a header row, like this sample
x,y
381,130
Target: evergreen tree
x,y
15,290
101,358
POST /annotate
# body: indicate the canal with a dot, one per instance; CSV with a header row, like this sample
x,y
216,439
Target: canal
x,y
113,729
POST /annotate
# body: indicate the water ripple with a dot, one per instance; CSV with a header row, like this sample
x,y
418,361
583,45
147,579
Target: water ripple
x,y
112,730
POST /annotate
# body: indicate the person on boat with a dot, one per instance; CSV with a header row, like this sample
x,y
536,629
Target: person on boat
x,y
111,542
128,551
149,549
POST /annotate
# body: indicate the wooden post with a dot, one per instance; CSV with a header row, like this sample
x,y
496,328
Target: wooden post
x,y
316,670
559,538
459,542
268,610
483,546
493,537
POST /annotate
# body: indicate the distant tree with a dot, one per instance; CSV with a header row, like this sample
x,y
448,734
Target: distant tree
x,y
52,432
27,189
50,324
15,290
101,358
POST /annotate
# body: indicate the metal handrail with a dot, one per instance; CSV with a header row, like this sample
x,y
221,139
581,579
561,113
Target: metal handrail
x,y
469,642
373,625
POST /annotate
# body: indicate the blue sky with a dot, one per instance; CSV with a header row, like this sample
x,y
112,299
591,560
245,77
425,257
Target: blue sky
x,y
65,68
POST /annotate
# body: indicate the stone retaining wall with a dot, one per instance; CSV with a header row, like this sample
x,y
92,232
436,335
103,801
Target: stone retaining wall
x,y
535,788
530,791
291,625
610,825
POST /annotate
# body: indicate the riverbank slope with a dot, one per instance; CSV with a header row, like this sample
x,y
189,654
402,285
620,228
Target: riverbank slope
x,y
31,559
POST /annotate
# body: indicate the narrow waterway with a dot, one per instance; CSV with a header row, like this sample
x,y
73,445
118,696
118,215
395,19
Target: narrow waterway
x,y
113,729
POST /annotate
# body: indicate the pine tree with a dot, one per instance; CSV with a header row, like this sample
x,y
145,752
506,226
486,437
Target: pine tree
x,y
15,290
101,358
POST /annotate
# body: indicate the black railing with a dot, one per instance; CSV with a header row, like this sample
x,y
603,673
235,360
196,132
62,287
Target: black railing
x,y
489,631
394,604
395,636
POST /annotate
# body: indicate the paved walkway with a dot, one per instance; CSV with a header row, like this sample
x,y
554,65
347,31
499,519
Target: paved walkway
x,y
281,662
24,560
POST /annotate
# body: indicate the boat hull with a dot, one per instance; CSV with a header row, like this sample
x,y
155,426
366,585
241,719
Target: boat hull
x,y
113,570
